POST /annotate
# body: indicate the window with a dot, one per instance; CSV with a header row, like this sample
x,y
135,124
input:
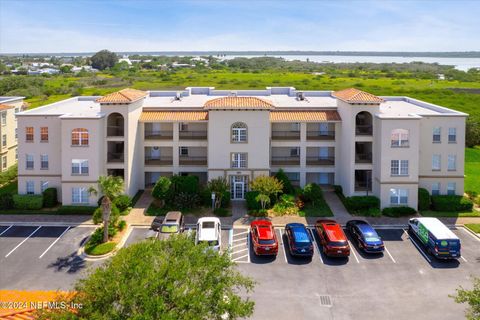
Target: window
x,y
80,137
44,134
29,134
79,167
183,126
80,195
452,162
4,162
43,185
436,189
29,162
295,152
30,187
296,126
293,176
184,151
451,188
399,167
399,138
399,196
239,160
239,132
436,162
44,161
452,135
4,140
4,118
437,131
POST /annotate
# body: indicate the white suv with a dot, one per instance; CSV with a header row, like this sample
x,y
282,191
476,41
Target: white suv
x,y
209,230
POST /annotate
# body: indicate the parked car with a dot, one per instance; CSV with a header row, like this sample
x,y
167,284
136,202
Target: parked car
x,y
332,238
299,241
365,236
440,241
209,230
172,223
264,238
157,223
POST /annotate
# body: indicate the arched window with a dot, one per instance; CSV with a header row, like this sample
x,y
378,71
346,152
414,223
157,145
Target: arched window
x,y
363,124
239,132
399,138
80,137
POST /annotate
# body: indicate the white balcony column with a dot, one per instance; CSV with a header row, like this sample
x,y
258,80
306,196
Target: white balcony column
x,y
175,146
303,178
303,131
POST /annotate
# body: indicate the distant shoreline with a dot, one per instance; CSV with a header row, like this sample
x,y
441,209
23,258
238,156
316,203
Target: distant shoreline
x,y
459,54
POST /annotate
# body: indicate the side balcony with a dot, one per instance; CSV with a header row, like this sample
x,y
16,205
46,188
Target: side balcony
x,y
320,156
320,131
158,131
286,131
158,156
285,156
192,156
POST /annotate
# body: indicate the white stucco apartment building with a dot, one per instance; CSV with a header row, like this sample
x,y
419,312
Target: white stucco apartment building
x,y
383,146
9,106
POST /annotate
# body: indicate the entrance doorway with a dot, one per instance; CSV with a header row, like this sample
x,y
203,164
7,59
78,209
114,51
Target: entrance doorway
x,y
238,187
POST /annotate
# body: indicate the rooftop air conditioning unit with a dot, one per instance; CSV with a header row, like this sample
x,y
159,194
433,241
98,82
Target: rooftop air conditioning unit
x,y
300,95
233,93
178,96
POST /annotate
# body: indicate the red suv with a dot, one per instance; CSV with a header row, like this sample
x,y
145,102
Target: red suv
x,y
332,238
264,238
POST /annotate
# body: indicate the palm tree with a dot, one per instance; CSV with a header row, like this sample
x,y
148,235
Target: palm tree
x,y
110,187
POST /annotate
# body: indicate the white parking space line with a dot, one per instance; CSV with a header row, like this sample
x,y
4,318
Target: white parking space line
x,y
68,228
238,259
248,244
389,254
18,245
464,230
236,240
238,234
463,259
418,247
352,249
6,230
238,245
282,232
316,245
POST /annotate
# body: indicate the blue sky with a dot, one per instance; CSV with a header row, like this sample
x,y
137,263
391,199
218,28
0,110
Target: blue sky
x,y
129,25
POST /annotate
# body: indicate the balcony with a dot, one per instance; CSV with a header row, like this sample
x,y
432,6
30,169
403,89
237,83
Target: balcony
x,y
285,135
363,130
363,180
285,160
363,124
158,135
363,152
158,161
115,157
320,161
320,135
193,161
115,131
115,125
115,152
193,135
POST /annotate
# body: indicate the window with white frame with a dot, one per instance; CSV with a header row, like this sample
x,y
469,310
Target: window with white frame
x,y
4,140
4,162
399,138
79,167
451,188
239,132
184,151
435,188
30,187
239,160
44,134
4,118
437,132
29,161
399,167
44,161
452,135
43,185
436,162
398,196
295,152
452,162
80,195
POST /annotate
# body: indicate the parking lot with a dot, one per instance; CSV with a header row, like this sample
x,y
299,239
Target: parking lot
x,y
402,283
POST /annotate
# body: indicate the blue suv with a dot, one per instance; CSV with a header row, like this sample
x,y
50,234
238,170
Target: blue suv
x,y
299,240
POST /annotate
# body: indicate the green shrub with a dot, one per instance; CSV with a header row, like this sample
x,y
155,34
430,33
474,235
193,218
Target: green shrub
x,y
451,203
185,184
313,193
6,201
221,212
423,199
361,204
286,206
398,211
252,203
160,190
338,190
184,200
27,201
373,212
122,202
121,225
50,197
287,185
98,215
86,210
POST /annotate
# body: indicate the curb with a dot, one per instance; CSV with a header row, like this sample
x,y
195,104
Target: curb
x,y
472,232
81,251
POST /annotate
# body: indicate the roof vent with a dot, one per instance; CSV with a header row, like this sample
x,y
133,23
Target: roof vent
x,y
300,95
178,96
233,94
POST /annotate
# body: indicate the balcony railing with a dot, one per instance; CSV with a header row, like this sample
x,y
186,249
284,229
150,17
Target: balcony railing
x,y
362,186
193,161
287,161
158,135
363,158
158,161
320,135
285,135
115,131
320,161
117,157
193,135
363,130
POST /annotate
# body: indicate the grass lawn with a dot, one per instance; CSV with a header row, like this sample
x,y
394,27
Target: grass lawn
x,y
322,210
100,249
449,214
472,169
475,227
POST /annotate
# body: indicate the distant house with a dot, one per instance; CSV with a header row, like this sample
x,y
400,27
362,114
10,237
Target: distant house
x,y
440,76
85,68
125,60
32,72
182,65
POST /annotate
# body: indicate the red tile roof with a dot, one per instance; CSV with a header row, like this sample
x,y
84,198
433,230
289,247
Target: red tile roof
x,y
148,116
304,116
5,107
238,103
352,95
123,96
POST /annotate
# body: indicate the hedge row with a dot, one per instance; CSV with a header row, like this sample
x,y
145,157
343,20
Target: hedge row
x,y
451,203
398,211
27,201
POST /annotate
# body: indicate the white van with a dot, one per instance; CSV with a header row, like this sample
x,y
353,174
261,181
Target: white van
x,y
209,230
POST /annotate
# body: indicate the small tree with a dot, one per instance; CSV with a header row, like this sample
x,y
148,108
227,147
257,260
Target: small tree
x,y
472,297
263,199
103,59
266,187
110,187
160,190
472,132
287,185
220,187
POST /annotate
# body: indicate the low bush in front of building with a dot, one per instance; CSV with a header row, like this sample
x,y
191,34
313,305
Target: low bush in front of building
x,y
398,211
287,184
6,201
251,199
27,201
123,202
362,205
423,199
286,206
49,197
451,203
